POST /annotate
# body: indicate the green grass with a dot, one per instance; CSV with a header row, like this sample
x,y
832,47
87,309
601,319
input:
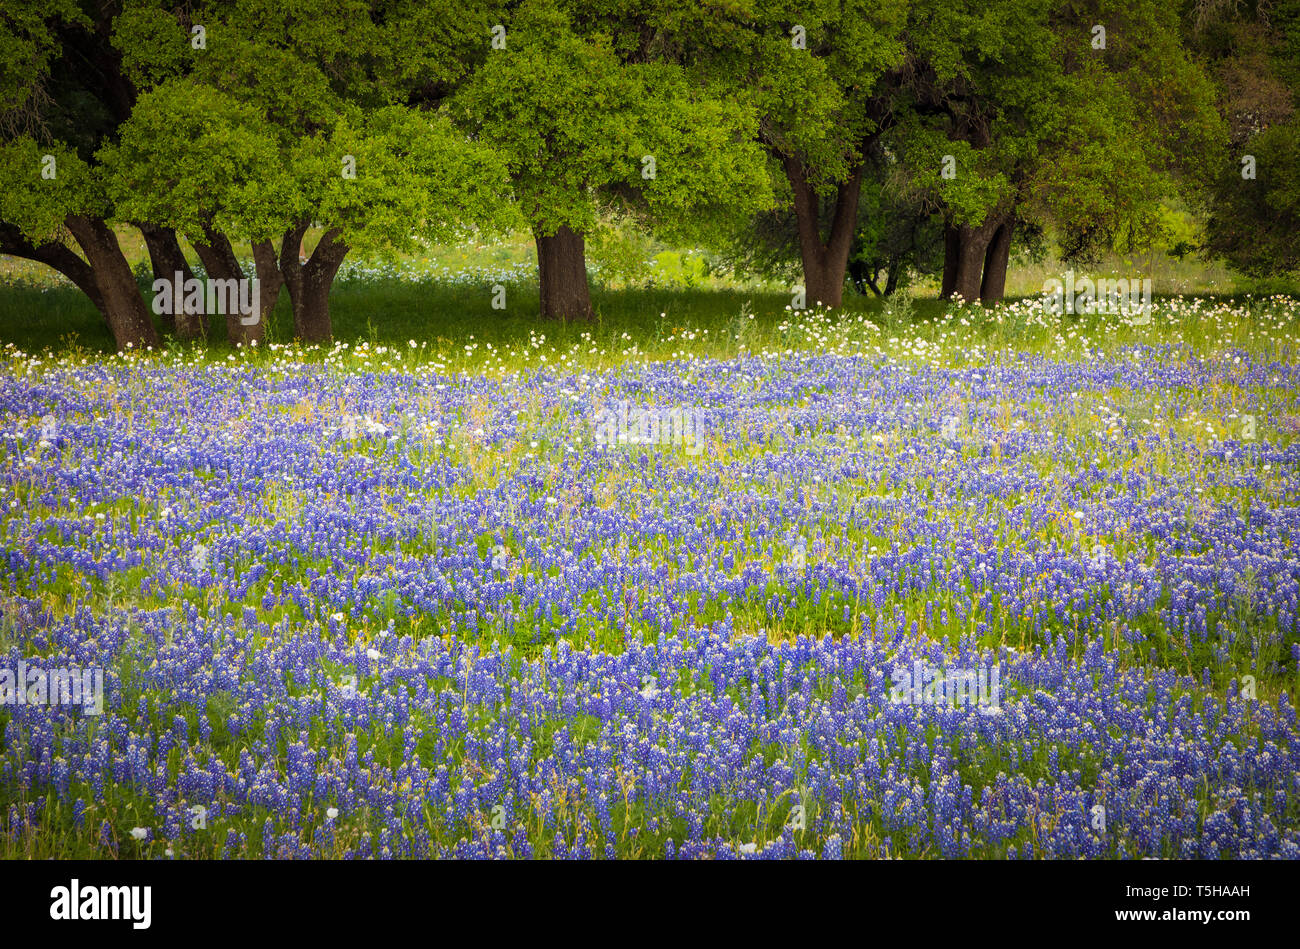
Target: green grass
x,y
448,316
450,302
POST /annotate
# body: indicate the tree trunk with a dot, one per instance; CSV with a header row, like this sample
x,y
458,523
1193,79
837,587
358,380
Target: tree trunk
x,y
562,275
824,262
269,278
168,259
858,276
951,253
891,282
995,264
965,250
120,300
970,263
872,280
220,262
58,256
309,283
311,306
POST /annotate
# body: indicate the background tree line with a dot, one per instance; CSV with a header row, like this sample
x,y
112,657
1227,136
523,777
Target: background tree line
x,y
831,142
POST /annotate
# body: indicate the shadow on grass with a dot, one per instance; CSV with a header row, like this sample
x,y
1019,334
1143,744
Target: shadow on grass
x,y
444,314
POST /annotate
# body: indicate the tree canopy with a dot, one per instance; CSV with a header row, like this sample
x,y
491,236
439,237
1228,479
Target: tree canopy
x,y
831,138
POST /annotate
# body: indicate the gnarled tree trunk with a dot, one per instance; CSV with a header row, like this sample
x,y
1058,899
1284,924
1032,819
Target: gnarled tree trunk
x,y
119,295
966,249
562,275
104,277
167,259
220,262
824,261
269,278
970,262
951,251
57,255
996,260
309,283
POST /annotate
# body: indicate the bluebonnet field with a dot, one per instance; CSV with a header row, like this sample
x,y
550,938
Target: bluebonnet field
x,y
374,601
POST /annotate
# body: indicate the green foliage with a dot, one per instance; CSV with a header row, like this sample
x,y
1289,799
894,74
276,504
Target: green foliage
x,y
1255,222
154,43
619,251
193,157
283,121
975,185
1102,177
896,235
816,102
251,134
35,204
37,196
1254,51
416,175
897,232
28,46
574,124
1041,120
